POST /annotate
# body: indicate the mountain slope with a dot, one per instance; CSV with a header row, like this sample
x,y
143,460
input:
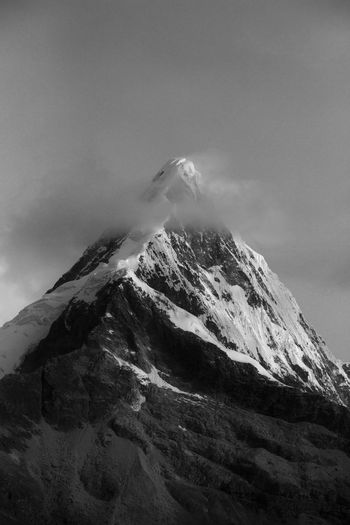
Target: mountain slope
x,y
170,377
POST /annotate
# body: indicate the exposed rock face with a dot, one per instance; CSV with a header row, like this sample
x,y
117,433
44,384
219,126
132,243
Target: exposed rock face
x,y
173,380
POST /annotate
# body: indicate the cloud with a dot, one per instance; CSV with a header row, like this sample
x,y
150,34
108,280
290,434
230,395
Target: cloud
x,y
70,208
70,211
238,201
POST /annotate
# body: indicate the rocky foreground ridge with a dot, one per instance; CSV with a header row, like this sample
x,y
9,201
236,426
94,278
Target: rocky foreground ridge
x,y
170,378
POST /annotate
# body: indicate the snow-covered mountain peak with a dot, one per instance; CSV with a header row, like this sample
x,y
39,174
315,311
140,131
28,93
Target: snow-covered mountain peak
x,y
177,181
198,277
170,377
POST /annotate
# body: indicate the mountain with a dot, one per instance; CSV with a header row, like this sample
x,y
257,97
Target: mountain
x,y
170,377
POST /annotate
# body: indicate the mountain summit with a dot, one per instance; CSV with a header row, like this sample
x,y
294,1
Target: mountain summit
x,y
177,180
170,377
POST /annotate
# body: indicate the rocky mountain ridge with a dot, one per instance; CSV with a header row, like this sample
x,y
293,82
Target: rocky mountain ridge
x,y
169,377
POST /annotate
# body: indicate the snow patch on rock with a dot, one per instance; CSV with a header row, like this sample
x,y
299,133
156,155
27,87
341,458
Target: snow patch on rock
x,y
190,323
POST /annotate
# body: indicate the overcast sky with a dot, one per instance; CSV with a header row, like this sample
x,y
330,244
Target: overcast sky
x,y
96,95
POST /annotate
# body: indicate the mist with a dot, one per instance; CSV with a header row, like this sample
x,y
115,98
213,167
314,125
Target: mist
x,y
71,209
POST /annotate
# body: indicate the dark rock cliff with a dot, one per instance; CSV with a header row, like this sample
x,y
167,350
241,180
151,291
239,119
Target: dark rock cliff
x,y
85,441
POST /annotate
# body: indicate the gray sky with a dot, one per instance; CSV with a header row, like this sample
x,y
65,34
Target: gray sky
x,y
96,95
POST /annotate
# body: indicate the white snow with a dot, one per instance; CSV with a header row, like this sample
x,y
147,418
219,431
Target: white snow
x,y
32,324
152,377
190,323
274,339
177,178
